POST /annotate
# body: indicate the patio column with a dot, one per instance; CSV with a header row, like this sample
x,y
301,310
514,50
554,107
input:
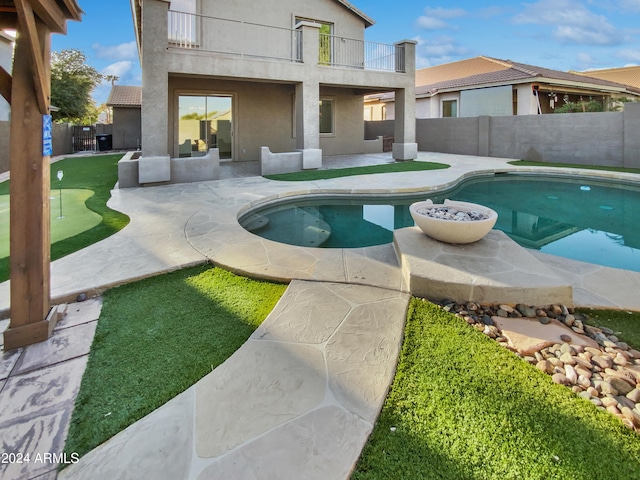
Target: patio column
x,y
308,99
154,164
405,146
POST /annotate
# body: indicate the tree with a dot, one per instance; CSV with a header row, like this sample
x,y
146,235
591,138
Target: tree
x,y
72,82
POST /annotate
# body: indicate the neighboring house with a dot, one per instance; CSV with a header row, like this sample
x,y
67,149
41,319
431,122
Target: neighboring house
x,y
6,62
489,86
125,102
286,74
626,75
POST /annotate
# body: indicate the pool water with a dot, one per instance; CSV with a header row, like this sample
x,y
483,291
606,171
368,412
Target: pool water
x,y
579,218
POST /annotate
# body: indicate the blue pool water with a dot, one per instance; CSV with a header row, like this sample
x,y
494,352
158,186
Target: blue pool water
x,y
579,218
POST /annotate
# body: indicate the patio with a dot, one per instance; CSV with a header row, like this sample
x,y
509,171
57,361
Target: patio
x,y
337,394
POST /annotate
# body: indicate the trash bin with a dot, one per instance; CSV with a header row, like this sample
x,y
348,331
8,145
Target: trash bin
x,y
105,142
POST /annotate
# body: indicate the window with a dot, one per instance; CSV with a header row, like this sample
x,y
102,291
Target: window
x,y
205,121
450,108
326,116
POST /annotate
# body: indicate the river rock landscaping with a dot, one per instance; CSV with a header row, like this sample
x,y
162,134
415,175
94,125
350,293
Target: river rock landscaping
x,y
589,360
451,213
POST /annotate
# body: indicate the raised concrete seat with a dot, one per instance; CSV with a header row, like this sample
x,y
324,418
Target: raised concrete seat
x,y
494,270
274,163
196,169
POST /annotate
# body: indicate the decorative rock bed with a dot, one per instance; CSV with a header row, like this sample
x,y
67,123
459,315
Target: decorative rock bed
x,y
453,222
589,360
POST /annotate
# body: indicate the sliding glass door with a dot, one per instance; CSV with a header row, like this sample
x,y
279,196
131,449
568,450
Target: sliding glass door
x,y
204,122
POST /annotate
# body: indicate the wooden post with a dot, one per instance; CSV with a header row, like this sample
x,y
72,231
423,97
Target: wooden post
x,y
30,184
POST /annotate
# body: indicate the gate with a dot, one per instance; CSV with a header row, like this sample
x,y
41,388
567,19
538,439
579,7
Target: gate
x,y
84,138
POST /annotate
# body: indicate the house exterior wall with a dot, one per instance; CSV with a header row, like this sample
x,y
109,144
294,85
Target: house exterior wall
x,y
282,13
527,103
127,134
263,113
423,108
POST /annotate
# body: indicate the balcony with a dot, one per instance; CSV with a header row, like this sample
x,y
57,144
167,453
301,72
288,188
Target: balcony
x,y
238,38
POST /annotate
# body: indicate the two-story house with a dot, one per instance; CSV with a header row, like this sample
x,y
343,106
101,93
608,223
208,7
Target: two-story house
x,y
238,75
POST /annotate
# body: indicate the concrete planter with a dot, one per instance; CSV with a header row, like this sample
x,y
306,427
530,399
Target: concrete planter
x,y
451,231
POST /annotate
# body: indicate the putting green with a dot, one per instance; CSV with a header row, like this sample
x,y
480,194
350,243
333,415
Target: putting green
x,y
76,217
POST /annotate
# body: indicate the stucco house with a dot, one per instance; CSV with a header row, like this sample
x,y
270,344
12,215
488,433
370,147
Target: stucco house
x,y
490,86
239,76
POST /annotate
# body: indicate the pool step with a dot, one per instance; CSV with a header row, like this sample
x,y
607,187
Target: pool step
x,y
493,270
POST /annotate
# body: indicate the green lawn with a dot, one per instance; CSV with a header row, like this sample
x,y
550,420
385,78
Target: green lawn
x,y
307,175
79,227
527,163
462,407
157,337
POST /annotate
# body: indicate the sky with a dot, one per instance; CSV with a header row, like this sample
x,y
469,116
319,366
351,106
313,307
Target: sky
x,y
558,34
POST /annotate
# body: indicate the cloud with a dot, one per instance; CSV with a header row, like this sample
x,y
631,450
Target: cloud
x,y
430,23
123,51
119,69
445,12
631,55
434,18
571,21
436,51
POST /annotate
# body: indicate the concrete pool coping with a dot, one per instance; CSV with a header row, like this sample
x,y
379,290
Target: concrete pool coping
x,y
331,366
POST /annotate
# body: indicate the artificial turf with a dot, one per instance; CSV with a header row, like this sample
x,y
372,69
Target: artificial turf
x,y
98,173
527,163
307,175
624,323
463,407
157,337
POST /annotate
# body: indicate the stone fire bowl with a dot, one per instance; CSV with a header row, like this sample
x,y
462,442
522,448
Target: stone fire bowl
x,y
451,231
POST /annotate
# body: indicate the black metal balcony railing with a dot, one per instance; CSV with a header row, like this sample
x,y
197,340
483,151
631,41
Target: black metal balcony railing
x,y
233,37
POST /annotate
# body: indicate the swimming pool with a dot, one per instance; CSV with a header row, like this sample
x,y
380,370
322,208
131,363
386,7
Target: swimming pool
x,y
585,219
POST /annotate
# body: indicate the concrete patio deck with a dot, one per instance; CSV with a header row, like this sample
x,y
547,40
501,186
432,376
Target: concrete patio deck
x,y
301,396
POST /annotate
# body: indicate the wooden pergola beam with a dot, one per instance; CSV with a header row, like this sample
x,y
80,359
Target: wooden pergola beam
x,y
28,22
51,14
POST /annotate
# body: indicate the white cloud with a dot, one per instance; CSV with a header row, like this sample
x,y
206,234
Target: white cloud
x,y
571,21
119,69
430,23
445,12
434,18
436,51
631,55
123,51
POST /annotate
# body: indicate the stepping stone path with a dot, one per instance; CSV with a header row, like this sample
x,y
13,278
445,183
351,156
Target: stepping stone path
x,y
591,361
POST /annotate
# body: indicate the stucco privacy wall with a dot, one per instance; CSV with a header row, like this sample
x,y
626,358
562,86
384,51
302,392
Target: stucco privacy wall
x,y
609,138
62,142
